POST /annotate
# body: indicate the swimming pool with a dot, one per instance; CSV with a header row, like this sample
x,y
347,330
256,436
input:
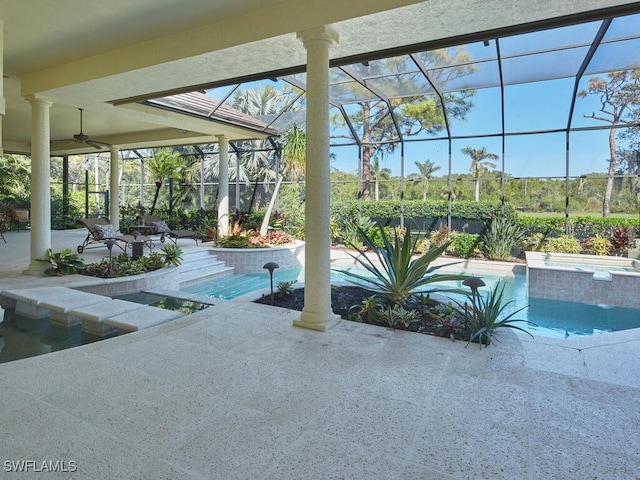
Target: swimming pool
x,y
552,318
22,337
168,302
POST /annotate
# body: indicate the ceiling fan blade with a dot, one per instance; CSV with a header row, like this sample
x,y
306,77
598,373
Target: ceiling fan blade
x,y
82,138
96,144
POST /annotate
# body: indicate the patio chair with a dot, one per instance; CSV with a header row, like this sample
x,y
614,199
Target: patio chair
x,y
100,230
20,217
3,225
162,229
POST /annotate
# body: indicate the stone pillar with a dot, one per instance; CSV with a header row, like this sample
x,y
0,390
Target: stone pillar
x,y
114,188
40,184
317,313
223,186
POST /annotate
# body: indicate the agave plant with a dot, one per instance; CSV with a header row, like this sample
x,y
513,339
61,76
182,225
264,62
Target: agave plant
x,y
394,270
483,324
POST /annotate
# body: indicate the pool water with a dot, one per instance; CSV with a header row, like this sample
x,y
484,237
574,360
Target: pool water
x,y
22,337
184,306
241,284
548,318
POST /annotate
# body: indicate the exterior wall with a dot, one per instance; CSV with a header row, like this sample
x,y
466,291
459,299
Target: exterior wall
x,y
252,260
617,289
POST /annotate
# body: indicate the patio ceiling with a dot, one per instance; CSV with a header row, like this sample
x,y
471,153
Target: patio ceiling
x,y
560,58
106,58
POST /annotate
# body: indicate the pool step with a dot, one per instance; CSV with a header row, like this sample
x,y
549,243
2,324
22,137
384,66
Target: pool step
x,y
98,315
201,265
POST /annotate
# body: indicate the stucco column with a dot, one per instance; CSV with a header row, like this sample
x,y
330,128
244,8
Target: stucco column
x,y
2,101
40,184
114,188
317,313
223,186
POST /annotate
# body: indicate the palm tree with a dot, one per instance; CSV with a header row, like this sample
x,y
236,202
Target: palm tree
x,y
294,154
165,163
378,174
479,164
426,170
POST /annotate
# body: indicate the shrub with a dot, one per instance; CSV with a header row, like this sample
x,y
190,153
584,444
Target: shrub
x,y
64,262
285,288
422,245
466,245
597,246
374,233
562,244
235,241
535,242
501,237
351,229
440,236
620,241
172,255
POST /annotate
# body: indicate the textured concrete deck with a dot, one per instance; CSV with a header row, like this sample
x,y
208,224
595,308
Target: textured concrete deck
x,y
235,391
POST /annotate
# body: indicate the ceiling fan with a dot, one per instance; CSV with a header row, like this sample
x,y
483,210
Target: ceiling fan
x,y
82,138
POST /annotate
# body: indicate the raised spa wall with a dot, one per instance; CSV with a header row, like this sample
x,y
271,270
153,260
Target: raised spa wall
x,y
580,284
252,260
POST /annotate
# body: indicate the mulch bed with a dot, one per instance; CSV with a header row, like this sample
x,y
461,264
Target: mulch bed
x,y
345,297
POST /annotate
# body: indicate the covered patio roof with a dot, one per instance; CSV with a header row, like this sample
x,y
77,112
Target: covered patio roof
x,y
108,59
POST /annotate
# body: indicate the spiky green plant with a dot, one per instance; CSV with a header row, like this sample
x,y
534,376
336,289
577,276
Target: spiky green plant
x,y
172,255
487,319
394,271
366,309
501,238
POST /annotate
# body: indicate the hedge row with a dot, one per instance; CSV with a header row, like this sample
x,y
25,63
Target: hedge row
x,y
387,212
421,209
580,227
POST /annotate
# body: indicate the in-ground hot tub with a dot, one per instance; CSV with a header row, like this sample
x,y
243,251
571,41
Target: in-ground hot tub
x,y
590,279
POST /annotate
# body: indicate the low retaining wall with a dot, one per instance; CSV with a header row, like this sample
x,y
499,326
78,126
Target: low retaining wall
x,y
252,260
165,278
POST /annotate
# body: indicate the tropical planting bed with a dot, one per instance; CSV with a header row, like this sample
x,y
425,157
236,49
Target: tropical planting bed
x,y
403,291
357,304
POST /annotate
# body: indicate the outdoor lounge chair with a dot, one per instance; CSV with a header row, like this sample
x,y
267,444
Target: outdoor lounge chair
x,y
100,230
161,228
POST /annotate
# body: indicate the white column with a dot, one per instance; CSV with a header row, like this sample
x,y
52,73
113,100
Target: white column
x,y
317,313
40,184
223,186
142,176
2,101
201,190
114,188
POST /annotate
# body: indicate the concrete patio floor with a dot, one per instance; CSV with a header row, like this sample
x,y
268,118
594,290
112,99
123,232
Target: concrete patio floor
x,y
235,391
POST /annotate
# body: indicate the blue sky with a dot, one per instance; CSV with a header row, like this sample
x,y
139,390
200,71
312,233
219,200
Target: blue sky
x,y
529,107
